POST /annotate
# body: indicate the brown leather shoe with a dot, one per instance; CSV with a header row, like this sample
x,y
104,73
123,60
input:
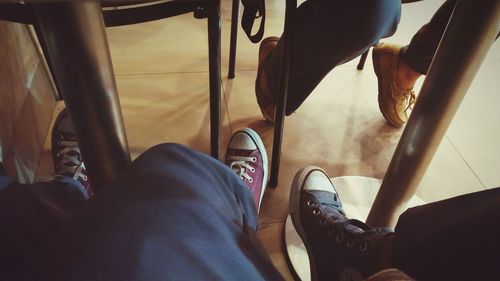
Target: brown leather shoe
x,y
265,99
394,102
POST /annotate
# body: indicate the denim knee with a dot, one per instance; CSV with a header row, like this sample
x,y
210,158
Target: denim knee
x,y
380,18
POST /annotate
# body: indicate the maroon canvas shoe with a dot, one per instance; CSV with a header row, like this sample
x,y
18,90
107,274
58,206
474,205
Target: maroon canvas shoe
x,y
246,155
66,154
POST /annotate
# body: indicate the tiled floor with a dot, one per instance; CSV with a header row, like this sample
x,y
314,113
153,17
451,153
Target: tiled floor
x,y
162,75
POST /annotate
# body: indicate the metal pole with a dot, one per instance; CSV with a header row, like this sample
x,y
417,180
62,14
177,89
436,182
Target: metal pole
x,y
471,31
215,77
77,47
291,6
233,38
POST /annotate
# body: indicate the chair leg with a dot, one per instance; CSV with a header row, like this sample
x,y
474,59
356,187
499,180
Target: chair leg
x,y
234,37
215,78
279,124
362,60
74,36
279,121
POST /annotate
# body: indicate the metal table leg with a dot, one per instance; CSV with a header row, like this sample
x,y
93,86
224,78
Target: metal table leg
x,y
291,6
78,50
215,78
233,38
472,29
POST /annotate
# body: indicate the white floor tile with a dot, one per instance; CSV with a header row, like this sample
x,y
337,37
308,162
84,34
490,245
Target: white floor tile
x,y
475,130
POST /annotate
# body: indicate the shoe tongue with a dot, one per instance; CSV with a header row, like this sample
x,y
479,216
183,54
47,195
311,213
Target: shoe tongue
x,y
334,210
68,136
327,198
349,227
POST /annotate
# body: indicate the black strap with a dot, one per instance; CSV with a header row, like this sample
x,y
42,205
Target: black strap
x,y
252,10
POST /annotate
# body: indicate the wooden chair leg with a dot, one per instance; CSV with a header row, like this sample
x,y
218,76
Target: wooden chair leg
x,y
215,79
234,37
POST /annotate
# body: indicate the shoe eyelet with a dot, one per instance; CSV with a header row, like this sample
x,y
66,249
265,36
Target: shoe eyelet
x,y
339,237
316,212
349,244
84,178
250,180
254,159
322,221
310,203
363,247
331,232
252,170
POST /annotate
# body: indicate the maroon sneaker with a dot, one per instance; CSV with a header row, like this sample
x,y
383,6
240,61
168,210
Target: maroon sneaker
x,y
246,155
66,154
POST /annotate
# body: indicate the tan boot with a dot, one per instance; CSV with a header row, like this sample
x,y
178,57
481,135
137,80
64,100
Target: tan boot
x,y
265,99
394,102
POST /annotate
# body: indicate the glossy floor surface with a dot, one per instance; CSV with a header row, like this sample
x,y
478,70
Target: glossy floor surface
x,y
162,76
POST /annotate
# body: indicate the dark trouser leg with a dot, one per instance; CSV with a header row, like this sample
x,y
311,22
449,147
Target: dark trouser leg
x,y
328,33
453,239
174,214
419,53
30,213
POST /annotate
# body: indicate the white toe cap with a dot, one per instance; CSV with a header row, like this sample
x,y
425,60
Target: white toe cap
x,y
318,181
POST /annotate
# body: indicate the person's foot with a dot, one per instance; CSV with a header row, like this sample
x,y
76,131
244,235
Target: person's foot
x,y
395,102
265,99
246,155
338,248
66,154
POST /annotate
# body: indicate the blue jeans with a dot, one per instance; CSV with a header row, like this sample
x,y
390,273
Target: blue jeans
x,y
174,214
420,52
328,33
30,213
177,214
452,239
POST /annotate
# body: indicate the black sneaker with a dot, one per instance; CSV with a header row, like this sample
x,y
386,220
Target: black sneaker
x,y
66,154
338,248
